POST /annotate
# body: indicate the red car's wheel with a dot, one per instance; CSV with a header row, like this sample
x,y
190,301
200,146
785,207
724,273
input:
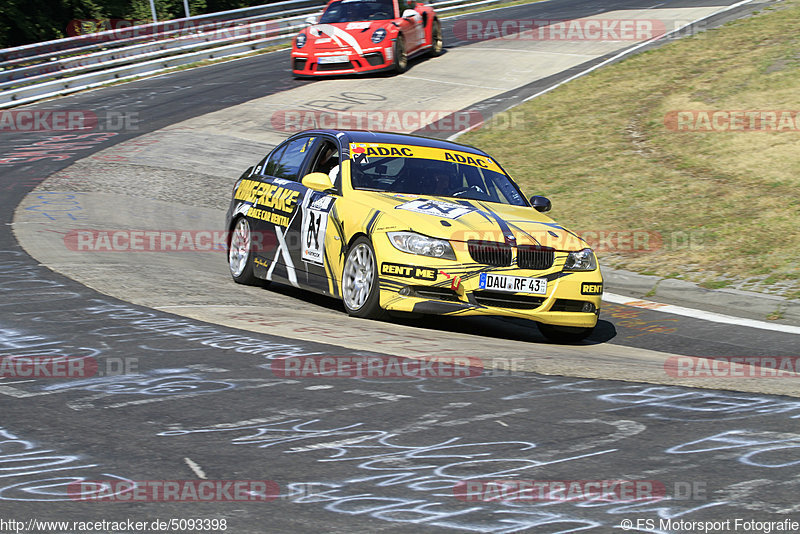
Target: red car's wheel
x,y
400,55
437,43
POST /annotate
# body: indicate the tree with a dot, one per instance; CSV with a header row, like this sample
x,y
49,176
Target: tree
x,y
30,21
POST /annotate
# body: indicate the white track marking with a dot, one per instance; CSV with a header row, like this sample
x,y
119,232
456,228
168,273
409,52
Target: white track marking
x,y
699,314
196,469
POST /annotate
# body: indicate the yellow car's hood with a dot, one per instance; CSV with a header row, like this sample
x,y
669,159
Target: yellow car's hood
x,y
464,220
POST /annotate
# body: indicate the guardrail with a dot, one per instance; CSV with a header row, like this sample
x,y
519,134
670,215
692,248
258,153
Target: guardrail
x,y
55,68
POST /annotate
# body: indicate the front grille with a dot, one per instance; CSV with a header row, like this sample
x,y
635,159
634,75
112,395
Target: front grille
x,y
499,299
490,253
535,257
300,63
499,255
565,305
335,66
374,58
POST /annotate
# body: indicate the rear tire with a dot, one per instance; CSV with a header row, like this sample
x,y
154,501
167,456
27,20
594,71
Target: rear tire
x,y
240,254
437,43
564,334
360,281
400,56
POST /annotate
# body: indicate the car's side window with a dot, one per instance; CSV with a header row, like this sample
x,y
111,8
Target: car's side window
x,y
268,168
326,159
288,162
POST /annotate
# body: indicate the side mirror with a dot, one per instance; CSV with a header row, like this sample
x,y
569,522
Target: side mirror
x,y
540,203
410,14
318,181
311,20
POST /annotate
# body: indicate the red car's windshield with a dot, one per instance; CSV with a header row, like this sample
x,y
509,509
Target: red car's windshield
x,y
357,10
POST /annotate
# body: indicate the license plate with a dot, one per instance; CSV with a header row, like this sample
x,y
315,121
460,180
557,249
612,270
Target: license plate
x,y
331,59
513,284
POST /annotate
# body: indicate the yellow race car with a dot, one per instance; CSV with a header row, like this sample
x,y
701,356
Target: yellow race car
x,y
392,222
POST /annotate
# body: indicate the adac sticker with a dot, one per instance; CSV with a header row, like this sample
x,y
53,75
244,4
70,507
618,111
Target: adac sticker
x,y
588,288
360,150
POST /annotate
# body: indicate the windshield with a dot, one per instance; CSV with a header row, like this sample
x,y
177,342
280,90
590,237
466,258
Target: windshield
x,y
357,10
431,171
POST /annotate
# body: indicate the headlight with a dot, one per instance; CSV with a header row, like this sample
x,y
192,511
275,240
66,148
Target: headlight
x,y
423,245
378,35
583,260
301,40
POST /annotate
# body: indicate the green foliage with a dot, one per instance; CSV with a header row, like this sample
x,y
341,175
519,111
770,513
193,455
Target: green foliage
x,y
165,9
29,21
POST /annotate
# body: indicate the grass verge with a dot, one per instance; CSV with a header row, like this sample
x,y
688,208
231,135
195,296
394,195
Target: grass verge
x,y
726,204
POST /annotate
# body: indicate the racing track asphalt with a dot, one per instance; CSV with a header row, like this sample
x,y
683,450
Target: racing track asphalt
x,y
189,411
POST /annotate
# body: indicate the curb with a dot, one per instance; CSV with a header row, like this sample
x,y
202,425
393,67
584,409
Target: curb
x,y
746,304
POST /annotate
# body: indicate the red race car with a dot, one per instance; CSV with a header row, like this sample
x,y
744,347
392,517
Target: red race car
x,y
354,36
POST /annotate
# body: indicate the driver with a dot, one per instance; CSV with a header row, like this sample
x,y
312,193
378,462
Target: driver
x,y
441,183
440,179
334,174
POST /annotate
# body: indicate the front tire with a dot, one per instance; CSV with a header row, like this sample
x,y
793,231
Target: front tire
x,y
564,334
400,56
437,43
360,281
240,254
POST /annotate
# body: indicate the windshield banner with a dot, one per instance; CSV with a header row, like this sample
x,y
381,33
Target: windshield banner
x,y
359,150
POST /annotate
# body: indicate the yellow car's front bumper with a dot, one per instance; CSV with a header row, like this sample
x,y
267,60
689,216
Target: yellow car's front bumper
x,y
420,284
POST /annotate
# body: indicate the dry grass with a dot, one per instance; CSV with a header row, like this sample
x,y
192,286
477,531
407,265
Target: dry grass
x,y
599,147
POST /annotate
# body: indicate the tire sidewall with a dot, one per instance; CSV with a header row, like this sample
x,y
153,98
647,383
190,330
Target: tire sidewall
x,y
371,308
399,48
434,26
246,276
